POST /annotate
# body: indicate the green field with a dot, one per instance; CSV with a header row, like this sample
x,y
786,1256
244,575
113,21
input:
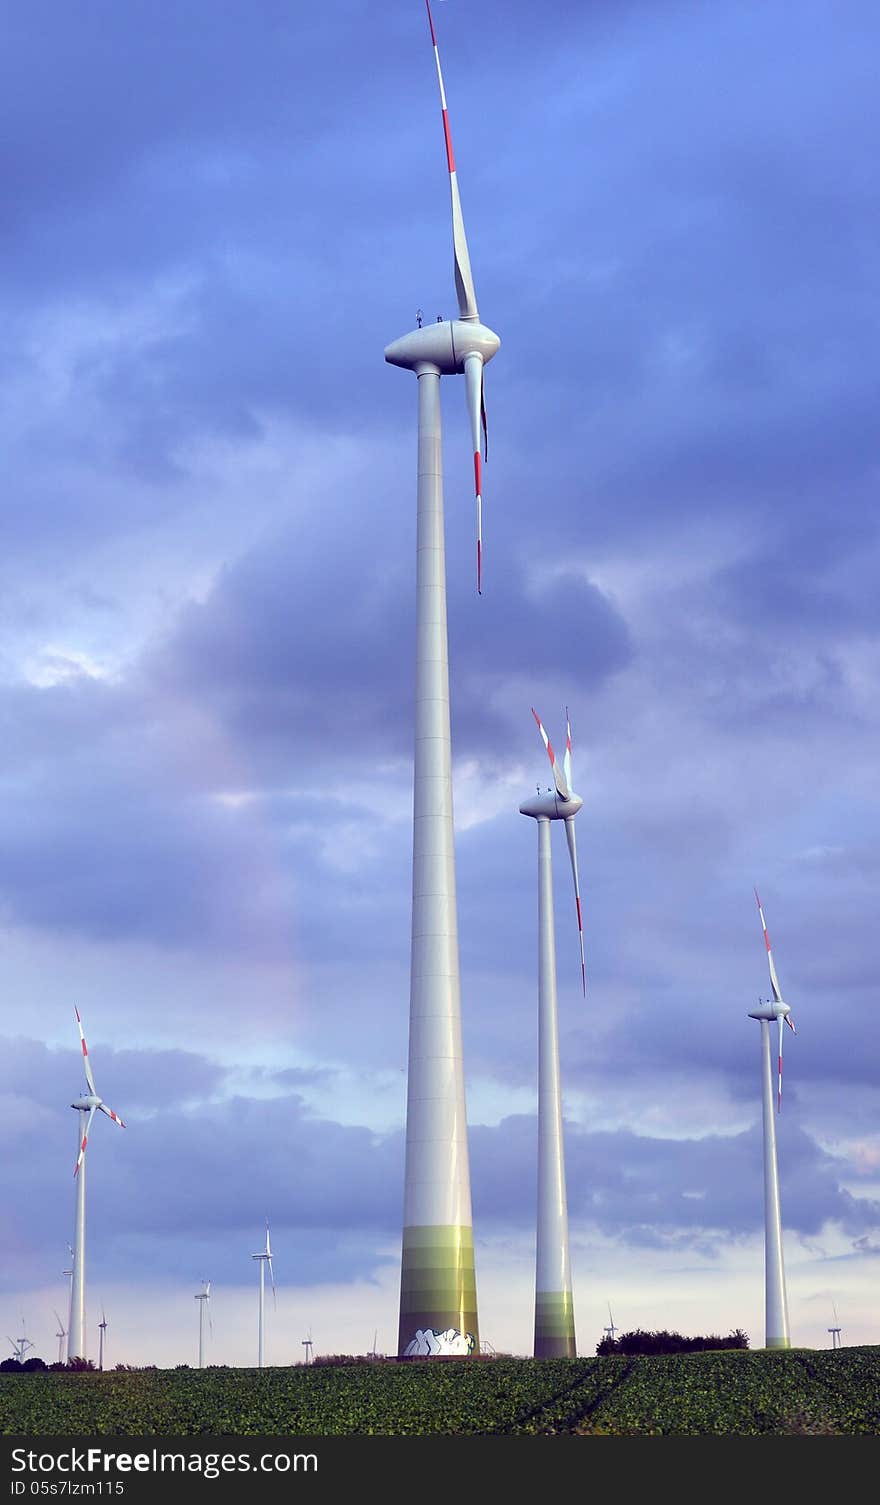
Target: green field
x,y
734,1392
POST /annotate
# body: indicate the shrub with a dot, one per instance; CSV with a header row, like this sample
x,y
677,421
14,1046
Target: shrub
x,y
663,1341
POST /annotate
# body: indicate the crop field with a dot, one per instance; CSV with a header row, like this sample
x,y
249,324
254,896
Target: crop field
x,y
802,1391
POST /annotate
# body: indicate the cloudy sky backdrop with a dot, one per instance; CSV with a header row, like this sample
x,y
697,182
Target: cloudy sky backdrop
x,y
215,219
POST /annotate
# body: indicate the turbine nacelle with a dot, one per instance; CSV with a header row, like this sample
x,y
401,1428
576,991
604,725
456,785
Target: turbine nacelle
x,y
771,1011
443,346
551,807
86,1104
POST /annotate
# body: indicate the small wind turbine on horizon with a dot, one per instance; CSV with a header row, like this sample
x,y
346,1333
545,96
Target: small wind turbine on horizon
x,y
102,1328
203,1298
836,1330
60,1335
265,1258
610,1330
775,1295
87,1106
20,1345
307,1345
554,1303
438,1298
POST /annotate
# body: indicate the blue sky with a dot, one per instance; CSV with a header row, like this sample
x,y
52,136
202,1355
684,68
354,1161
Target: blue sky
x,y
215,222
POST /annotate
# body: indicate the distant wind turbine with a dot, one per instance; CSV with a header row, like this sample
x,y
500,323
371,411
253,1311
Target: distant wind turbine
x,y
307,1345
20,1345
610,1329
775,1296
836,1330
87,1106
265,1258
554,1304
60,1335
438,1298
102,1328
203,1298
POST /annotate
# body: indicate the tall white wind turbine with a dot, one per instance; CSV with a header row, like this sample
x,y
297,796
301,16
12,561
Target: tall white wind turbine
x,y
554,1305
265,1258
775,1296
87,1106
438,1300
203,1298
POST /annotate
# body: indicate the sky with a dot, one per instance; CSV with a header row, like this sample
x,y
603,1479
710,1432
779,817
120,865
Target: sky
x,y
215,220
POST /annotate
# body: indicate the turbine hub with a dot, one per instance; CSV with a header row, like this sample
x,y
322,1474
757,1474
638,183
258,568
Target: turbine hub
x,y
443,345
85,1104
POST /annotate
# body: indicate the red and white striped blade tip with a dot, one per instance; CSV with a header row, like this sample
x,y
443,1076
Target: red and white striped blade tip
x,y
464,281
85,1051
110,1114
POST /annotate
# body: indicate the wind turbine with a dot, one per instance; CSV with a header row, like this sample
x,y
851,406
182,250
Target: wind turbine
x,y
20,1345
775,1297
102,1328
438,1299
308,1345
87,1106
265,1258
554,1306
611,1329
835,1331
60,1335
203,1298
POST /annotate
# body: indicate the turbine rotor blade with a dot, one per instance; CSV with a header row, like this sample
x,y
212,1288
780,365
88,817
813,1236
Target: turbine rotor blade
x,y
85,1050
110,1114
473,376
464,282
558,777
572,852
779,1088
85,1141
774,980
566,761
790,1022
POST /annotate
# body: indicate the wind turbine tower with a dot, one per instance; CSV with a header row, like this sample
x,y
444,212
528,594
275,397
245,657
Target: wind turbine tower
x,y
86,1106
69,1274
102,1328
265,1258
203,1299
775,1297
60,1335
554,1304
438,1299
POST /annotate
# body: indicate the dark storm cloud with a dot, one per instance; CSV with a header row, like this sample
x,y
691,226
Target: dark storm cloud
x,y
211,1172
44,1076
